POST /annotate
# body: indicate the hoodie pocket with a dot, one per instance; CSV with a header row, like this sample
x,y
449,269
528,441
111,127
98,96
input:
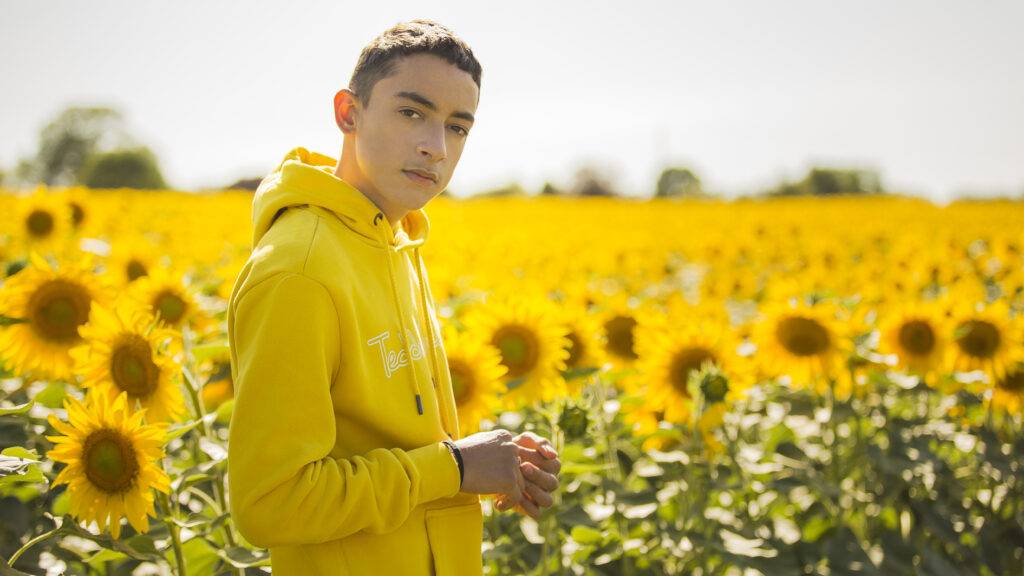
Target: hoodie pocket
x,y
455,535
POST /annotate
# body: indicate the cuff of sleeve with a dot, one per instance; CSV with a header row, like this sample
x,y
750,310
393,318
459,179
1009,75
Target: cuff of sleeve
x,y
439,472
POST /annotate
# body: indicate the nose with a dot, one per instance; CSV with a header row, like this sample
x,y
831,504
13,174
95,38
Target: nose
x,y
432,145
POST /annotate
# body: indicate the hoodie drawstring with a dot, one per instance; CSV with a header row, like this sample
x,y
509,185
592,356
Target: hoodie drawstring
x,y
424,293
445,420
401,317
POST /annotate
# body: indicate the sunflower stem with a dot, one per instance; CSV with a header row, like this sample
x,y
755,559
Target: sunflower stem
x,y
207,432
858,439
550,520
697,481
834,441
611,454
14,557
179,557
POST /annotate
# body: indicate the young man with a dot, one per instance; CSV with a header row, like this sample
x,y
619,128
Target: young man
x,y
341,458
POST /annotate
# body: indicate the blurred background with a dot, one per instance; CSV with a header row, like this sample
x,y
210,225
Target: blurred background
x,y
917,97
741,376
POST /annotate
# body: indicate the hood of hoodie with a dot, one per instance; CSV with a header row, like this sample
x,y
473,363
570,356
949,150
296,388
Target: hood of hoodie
x,y
305,178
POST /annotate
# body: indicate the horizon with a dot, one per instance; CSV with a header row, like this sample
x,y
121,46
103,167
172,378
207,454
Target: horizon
x,y
926,94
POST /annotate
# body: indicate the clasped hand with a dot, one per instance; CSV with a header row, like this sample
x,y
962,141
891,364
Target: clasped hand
x,y
521,470
538,471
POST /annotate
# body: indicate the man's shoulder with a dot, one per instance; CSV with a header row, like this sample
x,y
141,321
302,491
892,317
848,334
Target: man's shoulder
x,y
296,244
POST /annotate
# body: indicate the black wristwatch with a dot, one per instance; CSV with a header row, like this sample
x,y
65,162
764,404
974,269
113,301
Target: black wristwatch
x,y
458,458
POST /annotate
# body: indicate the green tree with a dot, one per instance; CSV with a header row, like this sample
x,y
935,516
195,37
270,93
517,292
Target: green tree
x,y
677,182
124,168
592,181
550,189
67,142
830,181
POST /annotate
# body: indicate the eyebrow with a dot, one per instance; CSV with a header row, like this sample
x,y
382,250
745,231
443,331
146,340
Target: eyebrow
x,y
420,99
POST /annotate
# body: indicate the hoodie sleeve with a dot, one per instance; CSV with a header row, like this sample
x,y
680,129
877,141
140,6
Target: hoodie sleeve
x,y
284,486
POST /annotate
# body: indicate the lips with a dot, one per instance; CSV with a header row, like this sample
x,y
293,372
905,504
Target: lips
x,y
425,174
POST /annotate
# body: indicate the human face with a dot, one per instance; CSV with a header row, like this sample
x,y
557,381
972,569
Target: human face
x,y
409,139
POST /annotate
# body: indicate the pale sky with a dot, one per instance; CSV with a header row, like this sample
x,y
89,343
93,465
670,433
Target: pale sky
x,y
931,93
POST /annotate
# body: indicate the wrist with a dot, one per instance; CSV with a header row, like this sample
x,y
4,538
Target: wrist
x,y
457,454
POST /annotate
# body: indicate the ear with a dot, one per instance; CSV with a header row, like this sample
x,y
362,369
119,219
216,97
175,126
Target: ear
x,y
345,109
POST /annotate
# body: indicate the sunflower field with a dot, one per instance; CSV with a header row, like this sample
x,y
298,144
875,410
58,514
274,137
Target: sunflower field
x,y
784,386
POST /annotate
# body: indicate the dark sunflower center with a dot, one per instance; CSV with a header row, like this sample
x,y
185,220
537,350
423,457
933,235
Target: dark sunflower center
x,y
109,460
39,223
77,214
135,270
462,381
802,336
978,338
576,350
519,349
57,309
917,338
170,306
619,330
685,362
1013,381
132,367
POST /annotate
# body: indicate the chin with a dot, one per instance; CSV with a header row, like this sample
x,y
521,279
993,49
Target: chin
x,y
422,199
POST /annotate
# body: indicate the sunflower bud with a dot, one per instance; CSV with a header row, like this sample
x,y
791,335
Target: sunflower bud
x,y
713,383
574,421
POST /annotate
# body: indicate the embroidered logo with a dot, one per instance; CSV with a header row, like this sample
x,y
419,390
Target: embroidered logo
x,y
395,359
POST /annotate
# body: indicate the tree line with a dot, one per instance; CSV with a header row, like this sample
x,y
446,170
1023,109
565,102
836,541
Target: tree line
x,y
87,146
90,146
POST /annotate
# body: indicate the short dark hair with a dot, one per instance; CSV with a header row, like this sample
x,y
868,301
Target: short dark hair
x,y
378,59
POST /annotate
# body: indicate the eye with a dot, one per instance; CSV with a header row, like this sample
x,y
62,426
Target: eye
x,y
411,113
460,130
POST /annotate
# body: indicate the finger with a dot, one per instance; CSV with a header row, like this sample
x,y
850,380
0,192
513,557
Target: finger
x,y
541,498
516,494
508,501
538,443
529,508
544,480
554,466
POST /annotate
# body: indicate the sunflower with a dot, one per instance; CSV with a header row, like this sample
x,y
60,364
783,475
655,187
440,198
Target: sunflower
x,y
130,260
984,338
672,352
806,342
735,284
125,351
476,372
619,318
44,218
167,295
917,334
645,422
531,342
77,203
586,346
1008,391
216,366
53,302
112,462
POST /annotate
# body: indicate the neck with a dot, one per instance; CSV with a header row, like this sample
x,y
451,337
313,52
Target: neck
x,y
348,170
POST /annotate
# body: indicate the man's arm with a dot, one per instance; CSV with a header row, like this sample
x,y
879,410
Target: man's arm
x,y
284,487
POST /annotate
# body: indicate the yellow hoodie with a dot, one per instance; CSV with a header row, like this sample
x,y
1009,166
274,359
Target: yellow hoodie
x,y
343,395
